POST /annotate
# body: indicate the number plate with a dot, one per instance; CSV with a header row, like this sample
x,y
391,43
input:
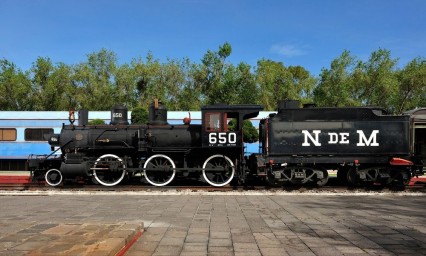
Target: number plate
x,y
222,139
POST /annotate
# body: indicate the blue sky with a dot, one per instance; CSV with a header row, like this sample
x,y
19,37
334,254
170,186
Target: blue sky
x,y
309,33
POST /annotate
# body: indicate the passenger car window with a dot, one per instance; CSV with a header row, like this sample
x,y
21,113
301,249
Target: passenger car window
x,y
38,134
7,134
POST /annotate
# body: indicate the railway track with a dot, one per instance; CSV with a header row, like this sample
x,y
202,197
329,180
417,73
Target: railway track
x,y
23,183
421,188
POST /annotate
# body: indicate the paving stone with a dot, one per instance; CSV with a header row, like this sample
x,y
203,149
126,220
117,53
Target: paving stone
x,y
291,224
273,251
222,242
167,250
197,238
195,247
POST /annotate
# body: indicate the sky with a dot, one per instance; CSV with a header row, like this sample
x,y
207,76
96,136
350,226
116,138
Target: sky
x,y
309,33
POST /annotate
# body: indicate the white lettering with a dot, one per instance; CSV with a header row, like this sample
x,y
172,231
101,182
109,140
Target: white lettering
x,y
222,138
232,138
344,138
334,138
372,141
212,138
315,140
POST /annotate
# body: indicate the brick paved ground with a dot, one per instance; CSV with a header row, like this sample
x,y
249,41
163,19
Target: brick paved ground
x,y
215,224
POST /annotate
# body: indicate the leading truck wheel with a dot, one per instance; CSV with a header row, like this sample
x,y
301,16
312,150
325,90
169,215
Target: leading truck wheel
x,y
218,170
53,177
159,170
109,170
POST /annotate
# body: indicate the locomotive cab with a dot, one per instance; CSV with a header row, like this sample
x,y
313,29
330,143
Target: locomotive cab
x,y
216,131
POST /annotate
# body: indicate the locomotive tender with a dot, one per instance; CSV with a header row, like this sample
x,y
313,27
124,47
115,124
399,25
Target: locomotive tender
x,y
297,145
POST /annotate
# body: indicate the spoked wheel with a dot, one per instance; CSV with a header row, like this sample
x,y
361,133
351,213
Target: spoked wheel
x,y
159,170
218,170
109,170
53,177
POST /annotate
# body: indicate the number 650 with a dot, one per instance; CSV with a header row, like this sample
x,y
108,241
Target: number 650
x,y
222,138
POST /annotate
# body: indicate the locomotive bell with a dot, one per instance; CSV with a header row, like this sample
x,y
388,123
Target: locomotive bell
x,y
119,115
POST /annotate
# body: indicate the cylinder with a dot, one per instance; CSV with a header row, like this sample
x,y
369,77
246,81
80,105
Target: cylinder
x,y
73,170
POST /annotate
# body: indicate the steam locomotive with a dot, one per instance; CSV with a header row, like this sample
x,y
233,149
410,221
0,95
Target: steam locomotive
x,y
297,146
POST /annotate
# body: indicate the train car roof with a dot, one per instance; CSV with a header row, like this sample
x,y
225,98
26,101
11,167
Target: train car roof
x,y
106,115
418,114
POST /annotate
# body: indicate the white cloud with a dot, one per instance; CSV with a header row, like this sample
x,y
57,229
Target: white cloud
x,y
287,50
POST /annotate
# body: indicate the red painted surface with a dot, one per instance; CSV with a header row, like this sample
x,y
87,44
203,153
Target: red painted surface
x,y
25,179
123,250
15,179
414,180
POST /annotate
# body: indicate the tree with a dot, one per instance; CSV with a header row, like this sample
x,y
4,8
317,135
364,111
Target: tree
x,y
96,122
250,133
94,81
190,96
238,86
375,80
277,82
125,86
211,74
15,88
147,80
139,115
411,86
336,87
49,84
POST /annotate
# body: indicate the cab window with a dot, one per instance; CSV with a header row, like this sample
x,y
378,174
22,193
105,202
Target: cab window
x,y
213,122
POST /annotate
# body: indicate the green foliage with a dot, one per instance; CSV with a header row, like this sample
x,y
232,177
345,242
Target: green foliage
x,y
100,82
139,115
336,86
411,92
278,82
15,88
96,122
250,133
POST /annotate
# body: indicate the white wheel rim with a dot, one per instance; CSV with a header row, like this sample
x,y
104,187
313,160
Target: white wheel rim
x,y
218,184
107,183
153,182
47,179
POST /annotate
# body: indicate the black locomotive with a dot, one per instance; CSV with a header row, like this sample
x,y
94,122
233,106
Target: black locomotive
x,y
298,145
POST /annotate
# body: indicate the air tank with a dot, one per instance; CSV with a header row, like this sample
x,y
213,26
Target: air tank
x,y
119,115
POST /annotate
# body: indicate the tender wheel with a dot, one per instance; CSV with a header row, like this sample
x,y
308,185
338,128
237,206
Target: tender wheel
x,y
53,177
352,178
159,170
322,181
107,170
218,170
